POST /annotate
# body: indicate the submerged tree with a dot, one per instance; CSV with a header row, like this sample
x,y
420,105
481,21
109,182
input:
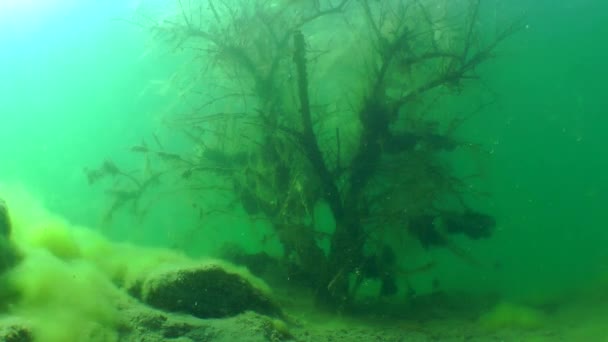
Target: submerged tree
x,y
295,104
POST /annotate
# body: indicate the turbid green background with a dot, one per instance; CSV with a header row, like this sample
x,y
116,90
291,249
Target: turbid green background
x,y
77,86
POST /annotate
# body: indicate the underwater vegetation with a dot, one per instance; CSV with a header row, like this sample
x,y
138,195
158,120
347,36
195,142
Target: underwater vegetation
x,y
311,170
71,284
292,106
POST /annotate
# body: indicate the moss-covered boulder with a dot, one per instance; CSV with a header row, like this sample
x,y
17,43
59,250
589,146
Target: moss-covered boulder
x,y
15,330
5,222
8,253
208,290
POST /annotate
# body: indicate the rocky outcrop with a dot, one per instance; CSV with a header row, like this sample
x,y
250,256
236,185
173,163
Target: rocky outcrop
x,y
208,290
15,330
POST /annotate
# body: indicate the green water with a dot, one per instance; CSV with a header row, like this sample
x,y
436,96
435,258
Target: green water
x,y
78,85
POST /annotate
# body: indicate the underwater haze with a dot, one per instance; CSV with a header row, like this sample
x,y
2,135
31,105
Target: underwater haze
x,y
87,82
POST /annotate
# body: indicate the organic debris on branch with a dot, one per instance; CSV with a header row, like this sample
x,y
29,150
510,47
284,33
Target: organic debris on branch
x,y
296,104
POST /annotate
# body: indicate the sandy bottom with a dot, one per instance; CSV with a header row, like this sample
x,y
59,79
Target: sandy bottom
x,y
583,319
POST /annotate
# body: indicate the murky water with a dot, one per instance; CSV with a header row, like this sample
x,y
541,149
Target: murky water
x,y
397,162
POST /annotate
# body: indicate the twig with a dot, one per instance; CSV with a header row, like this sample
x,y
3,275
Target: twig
x,y
338,166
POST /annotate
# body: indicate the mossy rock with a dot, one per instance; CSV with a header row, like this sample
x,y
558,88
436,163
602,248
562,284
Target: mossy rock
x,y
210,290
12,330
5,222
8,253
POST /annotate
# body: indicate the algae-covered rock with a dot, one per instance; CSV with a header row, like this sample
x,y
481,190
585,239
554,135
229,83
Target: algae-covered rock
x,y
13,330
142,323
210,290
8,254
5,222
